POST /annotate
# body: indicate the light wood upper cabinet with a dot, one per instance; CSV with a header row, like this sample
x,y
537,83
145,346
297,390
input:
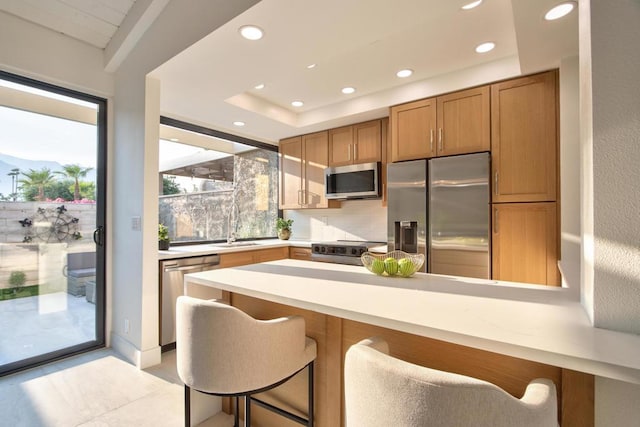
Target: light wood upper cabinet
x,y
359,143
524,139
525,243
456,123
464,124
413,128
291,172
302,163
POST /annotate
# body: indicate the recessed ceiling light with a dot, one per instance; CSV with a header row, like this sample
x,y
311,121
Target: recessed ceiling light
x,y
560,10
297,103
174,139
472,5
485,47
238,123
404,73
251,32
310,66
260,86
348,90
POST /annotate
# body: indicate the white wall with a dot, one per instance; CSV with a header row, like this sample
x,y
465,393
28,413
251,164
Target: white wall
x,y
615,37
570,235
356,220
610,125
135,185
34,51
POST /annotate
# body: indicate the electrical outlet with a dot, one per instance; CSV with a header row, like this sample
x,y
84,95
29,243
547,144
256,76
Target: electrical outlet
x,y
126,326
136,223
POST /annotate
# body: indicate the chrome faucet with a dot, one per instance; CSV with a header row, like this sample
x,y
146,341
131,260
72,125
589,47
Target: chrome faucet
x,y
232,218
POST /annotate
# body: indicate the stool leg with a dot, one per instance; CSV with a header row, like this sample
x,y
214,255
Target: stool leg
x,y
236,417
247,411
187,406
310,404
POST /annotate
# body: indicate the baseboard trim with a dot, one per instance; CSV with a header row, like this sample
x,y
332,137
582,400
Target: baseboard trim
x,y
141,359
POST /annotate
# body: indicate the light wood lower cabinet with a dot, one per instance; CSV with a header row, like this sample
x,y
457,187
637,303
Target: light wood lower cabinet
x,y
334,336
303,254
235,259
525,243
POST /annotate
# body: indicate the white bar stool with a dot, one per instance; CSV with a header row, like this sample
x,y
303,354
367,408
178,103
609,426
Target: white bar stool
x,y
382,391
222,351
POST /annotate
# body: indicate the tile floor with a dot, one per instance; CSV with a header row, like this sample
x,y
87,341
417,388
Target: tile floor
x,y
96,389
40,324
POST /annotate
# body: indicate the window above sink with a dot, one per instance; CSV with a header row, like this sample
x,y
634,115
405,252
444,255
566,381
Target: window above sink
x,y
214,189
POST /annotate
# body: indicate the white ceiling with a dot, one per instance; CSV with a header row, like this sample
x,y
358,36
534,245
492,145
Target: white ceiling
x,y
359,43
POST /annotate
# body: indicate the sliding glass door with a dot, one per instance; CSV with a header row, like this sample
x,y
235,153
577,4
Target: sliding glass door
x,y
52,215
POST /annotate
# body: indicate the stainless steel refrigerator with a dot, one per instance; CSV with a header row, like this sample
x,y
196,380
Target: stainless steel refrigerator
x,y
443,206
459,215
407,207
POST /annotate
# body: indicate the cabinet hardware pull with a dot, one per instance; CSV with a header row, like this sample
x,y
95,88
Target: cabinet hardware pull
x,y
349,152
495,183
299,198
440,139
495,221
431,140
355,151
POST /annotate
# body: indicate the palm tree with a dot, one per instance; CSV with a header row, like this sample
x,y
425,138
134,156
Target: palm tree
x,y
75,172
39,179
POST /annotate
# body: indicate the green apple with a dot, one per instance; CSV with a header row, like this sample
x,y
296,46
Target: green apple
x,y
377,266
391,266
405,267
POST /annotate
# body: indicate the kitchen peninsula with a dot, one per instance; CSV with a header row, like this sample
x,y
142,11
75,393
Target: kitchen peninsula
x,y
506,334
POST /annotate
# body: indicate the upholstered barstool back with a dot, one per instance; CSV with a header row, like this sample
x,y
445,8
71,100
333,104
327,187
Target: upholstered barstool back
x,y
382,391
223,351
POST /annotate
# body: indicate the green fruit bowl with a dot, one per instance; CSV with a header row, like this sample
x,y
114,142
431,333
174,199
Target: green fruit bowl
x,y
395,263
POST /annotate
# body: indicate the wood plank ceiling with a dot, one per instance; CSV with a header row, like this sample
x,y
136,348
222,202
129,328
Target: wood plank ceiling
x,y
92,21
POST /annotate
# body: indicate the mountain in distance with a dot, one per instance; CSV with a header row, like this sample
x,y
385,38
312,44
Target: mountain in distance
x,y
7,163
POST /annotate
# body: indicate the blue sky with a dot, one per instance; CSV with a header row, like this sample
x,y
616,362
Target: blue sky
x,y
39,137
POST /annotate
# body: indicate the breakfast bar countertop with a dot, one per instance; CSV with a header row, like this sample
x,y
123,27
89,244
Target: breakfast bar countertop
x,y
531,322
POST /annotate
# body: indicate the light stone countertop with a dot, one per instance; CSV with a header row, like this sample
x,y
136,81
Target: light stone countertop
x,y
531,322
220,248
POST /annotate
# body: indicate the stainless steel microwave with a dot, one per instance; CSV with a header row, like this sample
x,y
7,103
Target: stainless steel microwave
x,y
358,181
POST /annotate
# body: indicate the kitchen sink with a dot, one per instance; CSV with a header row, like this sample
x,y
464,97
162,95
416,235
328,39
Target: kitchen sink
x,y
233,244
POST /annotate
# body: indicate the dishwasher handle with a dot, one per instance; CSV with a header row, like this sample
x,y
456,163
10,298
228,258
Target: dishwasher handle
x,y
199,267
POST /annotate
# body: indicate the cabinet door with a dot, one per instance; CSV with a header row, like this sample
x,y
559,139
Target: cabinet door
x,y
316,159
525,243
341,146
524,139
413,127
290,153
463,122
300,253
367,145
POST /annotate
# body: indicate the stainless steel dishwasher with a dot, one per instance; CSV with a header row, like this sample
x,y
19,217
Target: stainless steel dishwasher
x,y
172,286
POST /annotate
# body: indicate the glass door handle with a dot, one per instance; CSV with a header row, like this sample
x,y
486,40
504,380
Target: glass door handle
x,y
98,236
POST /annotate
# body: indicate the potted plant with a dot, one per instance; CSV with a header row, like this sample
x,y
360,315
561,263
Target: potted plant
x,y
163,237
284,228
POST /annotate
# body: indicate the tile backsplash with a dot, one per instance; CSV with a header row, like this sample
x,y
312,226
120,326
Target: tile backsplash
x,y
355,220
